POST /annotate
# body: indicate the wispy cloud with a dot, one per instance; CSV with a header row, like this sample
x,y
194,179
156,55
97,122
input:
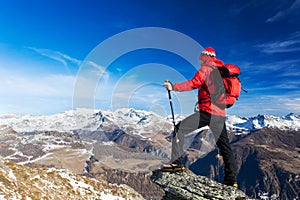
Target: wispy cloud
x,y
283,46
251,69
282,14
57,56
237,8
291,44
287,85
99,70
291,73
292,104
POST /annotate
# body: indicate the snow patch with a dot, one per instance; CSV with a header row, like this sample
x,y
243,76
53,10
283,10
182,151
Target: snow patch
x,y
107,196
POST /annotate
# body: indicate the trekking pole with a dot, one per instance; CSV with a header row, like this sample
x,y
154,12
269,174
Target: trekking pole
x,y
171,105
173,118
172,111
218,156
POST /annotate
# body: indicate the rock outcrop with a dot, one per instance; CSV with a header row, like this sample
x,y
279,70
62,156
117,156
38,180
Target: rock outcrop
x,y
186,186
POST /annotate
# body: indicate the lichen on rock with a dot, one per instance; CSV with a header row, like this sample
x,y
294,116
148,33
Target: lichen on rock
x,y
183,185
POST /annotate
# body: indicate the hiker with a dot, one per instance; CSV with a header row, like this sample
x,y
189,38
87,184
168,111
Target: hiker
x,y
208,114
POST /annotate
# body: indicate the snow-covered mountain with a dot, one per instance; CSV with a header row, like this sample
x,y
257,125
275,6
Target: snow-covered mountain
x,y
134,121
245,125
83,119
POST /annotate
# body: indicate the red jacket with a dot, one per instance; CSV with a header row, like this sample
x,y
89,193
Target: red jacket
x,y
198,82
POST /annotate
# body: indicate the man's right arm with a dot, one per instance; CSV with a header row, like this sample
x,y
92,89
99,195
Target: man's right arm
x,y
194,83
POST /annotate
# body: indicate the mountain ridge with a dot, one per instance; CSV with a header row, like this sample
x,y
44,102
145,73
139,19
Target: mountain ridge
x,y
93,120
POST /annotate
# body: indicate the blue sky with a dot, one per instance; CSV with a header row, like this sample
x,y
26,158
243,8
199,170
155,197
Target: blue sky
x,y
44,45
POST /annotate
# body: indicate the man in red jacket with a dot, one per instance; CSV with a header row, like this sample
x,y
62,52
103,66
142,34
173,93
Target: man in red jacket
x,y
209,114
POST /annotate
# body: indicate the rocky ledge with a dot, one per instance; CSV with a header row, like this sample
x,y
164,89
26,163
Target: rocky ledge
x,y
182,185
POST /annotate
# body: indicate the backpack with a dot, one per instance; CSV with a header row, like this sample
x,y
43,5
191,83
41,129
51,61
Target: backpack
x,y
228,87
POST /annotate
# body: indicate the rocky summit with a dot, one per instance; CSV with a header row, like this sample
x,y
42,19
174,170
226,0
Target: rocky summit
x,y
185,186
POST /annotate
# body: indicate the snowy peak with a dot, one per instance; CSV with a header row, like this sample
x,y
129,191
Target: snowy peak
x,y
243,124
86,120
292,116
133,116
133,121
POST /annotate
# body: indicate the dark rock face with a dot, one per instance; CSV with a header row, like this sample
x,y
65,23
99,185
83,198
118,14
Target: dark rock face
x,y
268,164
182,185
139,181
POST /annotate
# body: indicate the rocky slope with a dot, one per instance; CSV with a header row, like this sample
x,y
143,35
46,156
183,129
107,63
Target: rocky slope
x,y
186,186
21,182
46,148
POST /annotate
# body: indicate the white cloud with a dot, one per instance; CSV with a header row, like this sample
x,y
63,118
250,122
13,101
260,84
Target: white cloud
x,y
282,14
287,85
99,70
50,85
65,59
32,94
287,66
291,44
292,104
292,72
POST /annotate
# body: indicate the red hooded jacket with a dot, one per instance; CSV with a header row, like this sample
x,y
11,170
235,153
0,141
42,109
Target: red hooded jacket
x,y
201,77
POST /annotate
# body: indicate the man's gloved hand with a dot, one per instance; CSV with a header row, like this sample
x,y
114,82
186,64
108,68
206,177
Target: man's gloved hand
x,y
168,85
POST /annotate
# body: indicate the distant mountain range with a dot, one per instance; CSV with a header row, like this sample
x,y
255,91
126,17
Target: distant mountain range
x,y
89,120
245,125
125,145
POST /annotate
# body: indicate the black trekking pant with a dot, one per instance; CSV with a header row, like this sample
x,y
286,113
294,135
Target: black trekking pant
x,y
217,126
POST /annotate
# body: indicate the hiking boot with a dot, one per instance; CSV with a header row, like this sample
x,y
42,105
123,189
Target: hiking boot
x,y
233,184
173,167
